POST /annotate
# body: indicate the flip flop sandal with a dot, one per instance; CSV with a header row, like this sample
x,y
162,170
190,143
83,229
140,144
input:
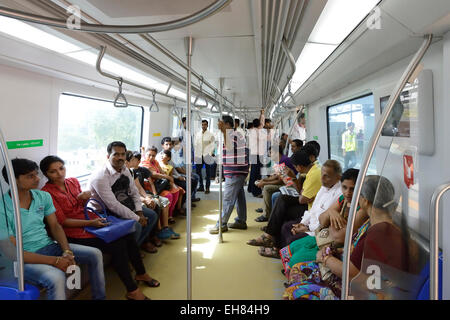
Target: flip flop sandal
x,y
149,248
152,283
157,242
263,241
269,252
171,220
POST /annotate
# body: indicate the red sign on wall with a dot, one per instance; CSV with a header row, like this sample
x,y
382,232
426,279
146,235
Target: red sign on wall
x,y
408,170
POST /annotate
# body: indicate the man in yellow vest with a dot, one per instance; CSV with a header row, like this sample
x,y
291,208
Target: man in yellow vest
x,y
349,146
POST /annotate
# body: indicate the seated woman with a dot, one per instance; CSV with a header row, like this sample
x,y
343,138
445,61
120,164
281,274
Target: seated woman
x,y
69,202
46,260
378,239
301,243
157,173
155,202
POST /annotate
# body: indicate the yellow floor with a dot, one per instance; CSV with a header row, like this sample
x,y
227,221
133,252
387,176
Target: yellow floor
x,y
222,271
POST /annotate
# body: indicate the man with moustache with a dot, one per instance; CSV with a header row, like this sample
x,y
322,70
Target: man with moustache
x,y
115,187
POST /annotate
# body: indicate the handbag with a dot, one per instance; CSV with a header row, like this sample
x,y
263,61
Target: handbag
x,y
161,185
323,235
116,227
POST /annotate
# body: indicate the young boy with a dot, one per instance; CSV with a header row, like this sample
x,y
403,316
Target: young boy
x,y
46,260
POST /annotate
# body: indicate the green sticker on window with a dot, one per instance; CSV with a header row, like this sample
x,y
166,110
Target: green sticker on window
x,y
24,144
316,138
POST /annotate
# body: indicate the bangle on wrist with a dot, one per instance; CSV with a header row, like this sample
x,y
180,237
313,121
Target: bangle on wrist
x,y
68,252
57,260
325,260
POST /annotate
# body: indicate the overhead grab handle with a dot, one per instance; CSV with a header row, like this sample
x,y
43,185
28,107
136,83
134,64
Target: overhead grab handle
x,y
201,94
119,96
154,104
215,106
290,94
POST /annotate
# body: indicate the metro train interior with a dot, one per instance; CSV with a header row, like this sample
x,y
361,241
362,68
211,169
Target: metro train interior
x,y
339,107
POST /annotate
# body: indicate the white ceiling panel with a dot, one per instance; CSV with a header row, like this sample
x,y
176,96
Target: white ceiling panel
x,y
417,15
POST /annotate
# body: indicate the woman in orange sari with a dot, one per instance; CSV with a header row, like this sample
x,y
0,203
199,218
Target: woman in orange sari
x,y
174,193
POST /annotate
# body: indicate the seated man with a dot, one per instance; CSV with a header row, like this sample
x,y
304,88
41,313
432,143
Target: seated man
x,y
272,184
46,260
290,208
179,173
312,149
115,187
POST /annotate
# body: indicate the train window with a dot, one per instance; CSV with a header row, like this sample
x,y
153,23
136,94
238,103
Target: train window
x,y
87,125
350,127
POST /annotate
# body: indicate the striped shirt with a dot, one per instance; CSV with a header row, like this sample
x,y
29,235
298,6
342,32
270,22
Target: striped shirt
x,y
235,155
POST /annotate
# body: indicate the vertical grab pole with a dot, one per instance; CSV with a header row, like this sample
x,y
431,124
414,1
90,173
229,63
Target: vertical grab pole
x,y
365,164
434,240
17,217
220,149
188,160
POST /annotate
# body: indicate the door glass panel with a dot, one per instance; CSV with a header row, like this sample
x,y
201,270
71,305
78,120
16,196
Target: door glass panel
x,y
350,127
394,254
7,249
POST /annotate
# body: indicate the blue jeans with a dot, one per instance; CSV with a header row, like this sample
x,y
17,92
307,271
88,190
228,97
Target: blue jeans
x,y
275,196
234,193
141,234
54,280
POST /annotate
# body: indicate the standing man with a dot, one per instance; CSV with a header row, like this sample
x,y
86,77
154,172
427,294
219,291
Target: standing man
x,y
349,146
235,167
115,187
299,131
204,149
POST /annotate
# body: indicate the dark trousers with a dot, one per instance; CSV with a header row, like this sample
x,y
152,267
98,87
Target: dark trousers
x,y
286,208
198,169
182,184
255,174
122,251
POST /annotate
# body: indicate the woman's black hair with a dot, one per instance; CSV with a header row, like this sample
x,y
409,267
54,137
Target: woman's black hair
x,y
20,167
133,154
47,162
350,174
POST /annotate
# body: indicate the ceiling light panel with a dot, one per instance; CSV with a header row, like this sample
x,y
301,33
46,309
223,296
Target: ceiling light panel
x,y
339,18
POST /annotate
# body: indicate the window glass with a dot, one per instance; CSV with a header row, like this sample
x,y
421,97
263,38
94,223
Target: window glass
x,y
350,127
85,128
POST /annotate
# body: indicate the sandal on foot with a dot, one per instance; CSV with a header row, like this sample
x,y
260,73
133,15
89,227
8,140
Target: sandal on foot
x,y
269,252
171,220
149,247
263,241
157,242
152,283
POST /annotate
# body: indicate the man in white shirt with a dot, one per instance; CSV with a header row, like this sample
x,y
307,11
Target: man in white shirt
x,y
328,194
114,186
298,132
203,151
